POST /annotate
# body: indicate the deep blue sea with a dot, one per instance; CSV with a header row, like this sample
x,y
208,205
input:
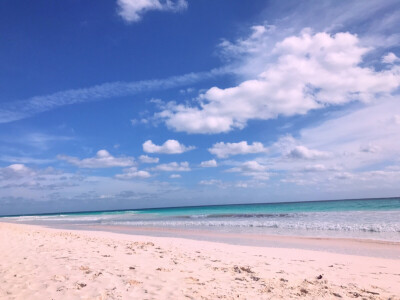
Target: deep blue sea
x,y
363,218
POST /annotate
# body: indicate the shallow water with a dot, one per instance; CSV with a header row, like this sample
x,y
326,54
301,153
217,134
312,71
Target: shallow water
x,y
377,219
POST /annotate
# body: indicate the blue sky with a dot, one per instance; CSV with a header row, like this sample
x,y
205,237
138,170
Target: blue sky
x,y
133,104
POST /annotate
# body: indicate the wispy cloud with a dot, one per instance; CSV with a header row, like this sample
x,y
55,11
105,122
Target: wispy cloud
x,y
133,10
103,159
20,109
223,150
209,164
173,167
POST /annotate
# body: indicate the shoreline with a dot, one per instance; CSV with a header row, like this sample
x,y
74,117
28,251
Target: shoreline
x,y
54,263
351,246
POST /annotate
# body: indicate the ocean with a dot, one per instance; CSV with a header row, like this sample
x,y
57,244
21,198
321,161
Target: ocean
x,y
377,219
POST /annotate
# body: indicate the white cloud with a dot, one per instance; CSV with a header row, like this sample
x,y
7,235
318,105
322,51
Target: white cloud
x,y
341,148
249,166
169,147
18,179
360,138
369,148
309,71
133,10
148,159
25,160
302,152
15,171
223,150
343,175
133,172
390,58
103,159
319,168
209,163
173,167
215,182
174,176
253,169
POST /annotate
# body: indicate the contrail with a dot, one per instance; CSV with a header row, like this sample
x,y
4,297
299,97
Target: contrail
x,y
17,110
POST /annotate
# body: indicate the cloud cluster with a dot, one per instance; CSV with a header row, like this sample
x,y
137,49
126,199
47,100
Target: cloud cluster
x,y
302,152
223,150
169,147
133,10
19,179
310,71
357,147
103,159
390,58
133,172
253,169
148,159
173,167
15,171
209,163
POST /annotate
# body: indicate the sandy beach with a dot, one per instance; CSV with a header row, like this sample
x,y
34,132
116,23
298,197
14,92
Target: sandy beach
x,y
44,263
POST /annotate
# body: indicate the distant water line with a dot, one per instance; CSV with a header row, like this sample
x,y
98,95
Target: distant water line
x,y
363,218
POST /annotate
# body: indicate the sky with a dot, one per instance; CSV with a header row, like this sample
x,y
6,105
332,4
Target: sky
x,y
124,104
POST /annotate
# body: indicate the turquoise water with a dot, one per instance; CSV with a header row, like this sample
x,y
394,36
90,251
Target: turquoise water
x,y
292,207
362,218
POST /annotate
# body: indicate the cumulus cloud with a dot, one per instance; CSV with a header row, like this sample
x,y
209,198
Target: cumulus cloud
x,y
253,169
103,159
390,58
15,171
309,71
133,10
302,152
19,179
173,167
223,150
133,172
148,159
211,182
209,163
169,147
369,148
174,176
320,168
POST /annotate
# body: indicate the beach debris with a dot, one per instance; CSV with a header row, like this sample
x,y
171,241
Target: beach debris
x,y
163,270
240,279
80,285
134,282
303,291
337,295
192,279
255,278
283,280
238,269
370,292
97,275
319,276
59,278
132,268
84,268
355,294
